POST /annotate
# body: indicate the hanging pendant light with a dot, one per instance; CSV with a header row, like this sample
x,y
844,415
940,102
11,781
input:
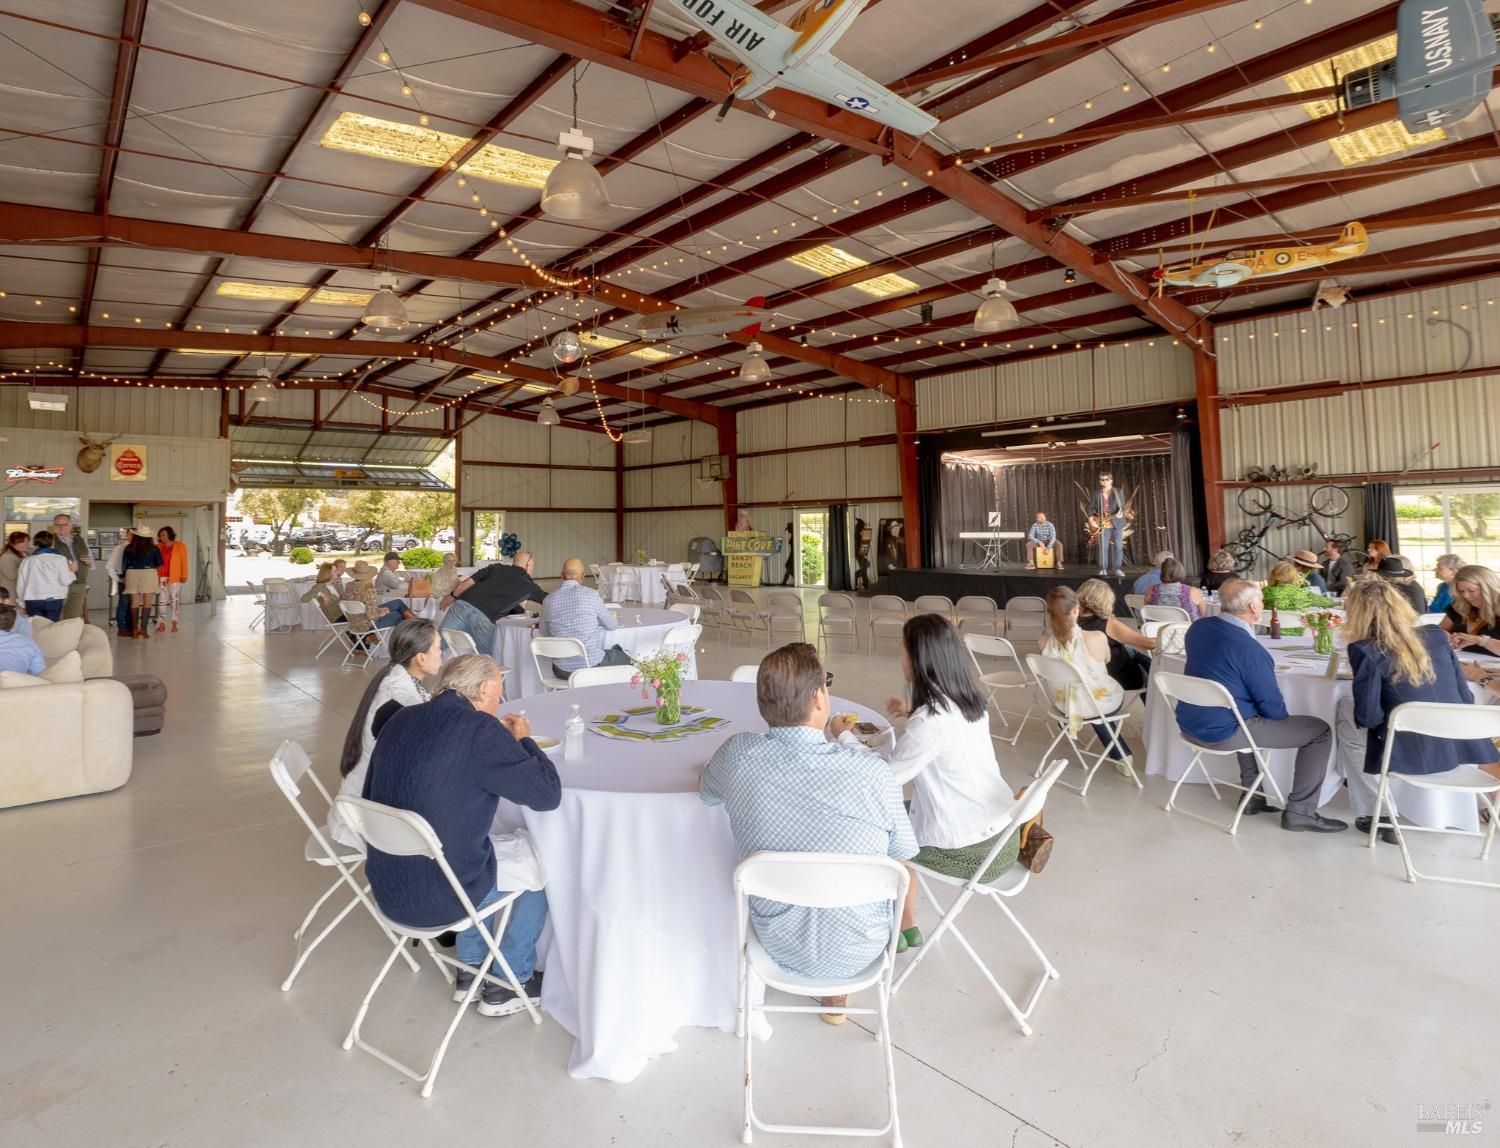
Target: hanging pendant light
x,y
574,188
263,390
754,369
547,416
567,347
996,313
385,309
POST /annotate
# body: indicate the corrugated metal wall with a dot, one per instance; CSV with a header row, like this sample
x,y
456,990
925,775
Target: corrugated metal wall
x,y
1157,370
1292,502
554,538
837,474
504,440
117,410
178,469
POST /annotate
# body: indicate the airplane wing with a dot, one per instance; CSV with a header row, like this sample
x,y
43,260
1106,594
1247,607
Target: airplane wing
x,y
828,78
757,40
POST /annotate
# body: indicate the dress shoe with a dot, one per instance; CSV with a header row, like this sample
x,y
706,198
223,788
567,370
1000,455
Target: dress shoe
x,y
1386,834
1259,804
1311,823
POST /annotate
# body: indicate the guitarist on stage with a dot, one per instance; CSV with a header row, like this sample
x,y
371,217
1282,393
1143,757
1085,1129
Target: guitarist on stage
x,y
1106,511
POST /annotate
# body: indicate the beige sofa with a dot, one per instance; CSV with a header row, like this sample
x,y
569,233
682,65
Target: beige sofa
x,y
93,648
65,740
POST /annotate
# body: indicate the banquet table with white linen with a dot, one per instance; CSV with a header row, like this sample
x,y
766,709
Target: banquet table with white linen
x,y
1306,689
648,579
639,879
639,632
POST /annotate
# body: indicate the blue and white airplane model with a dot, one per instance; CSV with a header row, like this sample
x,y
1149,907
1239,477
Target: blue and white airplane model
x,y
796,55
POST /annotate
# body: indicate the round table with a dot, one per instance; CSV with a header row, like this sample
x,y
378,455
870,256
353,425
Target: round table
x,y
639,879
647,578
640,631
1306,689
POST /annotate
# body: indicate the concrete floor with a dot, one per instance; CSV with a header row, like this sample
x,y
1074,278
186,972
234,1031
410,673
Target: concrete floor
x,y
1270,990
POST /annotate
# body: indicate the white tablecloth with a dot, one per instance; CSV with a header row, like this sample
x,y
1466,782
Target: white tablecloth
x,y
648,578
1306,690
639,632
639,881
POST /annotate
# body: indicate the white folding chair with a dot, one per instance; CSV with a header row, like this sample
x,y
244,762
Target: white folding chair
x,y
688,610
1055,676
784,611
1455,722
887,612
1431,619
355,640
602,676
335,630
1025,619
545,650
933,604
401,833
624,584
260,605
1153,618
1133,603
745,673
823,881
977,614
290,766
743,613
836,617
459,642
1002,682
1172,638
1177,688
1008,884
684,640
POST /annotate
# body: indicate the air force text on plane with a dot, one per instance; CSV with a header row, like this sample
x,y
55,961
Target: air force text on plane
x,y
737,32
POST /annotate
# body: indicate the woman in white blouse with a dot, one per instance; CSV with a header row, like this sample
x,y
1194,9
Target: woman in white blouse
x,y
416,653
960,802
1087,652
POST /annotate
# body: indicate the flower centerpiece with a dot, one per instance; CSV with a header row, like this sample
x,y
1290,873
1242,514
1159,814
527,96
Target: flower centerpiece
x,y
1322,624
640,557
661,671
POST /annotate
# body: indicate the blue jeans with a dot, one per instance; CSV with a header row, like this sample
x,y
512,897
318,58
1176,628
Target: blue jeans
x,y
50,608
122,609
1112,545
462,616
395,611
517,945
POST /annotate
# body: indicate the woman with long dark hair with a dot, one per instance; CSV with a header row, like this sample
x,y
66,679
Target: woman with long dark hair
x,y
141,563
959,801
416,653
17,543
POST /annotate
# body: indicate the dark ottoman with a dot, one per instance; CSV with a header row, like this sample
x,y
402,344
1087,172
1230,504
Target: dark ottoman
x,y
149,698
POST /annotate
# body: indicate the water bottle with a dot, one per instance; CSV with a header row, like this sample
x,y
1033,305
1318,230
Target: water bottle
x,y
573,736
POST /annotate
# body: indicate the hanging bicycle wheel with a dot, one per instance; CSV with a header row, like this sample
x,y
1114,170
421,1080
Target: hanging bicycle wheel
x,y
1254,500
1329,501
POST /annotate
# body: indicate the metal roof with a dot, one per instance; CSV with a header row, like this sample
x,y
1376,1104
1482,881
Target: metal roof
x,y
215,114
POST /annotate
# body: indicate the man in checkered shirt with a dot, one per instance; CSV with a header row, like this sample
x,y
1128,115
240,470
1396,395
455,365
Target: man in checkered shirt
x,y
1042,536
574,610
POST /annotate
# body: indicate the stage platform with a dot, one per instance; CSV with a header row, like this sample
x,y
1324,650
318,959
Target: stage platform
x,y
1009,581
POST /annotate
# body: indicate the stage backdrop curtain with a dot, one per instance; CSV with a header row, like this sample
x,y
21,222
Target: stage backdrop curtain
x,y
838,548
968,498
1380,514
930,497
1062,490
1182,519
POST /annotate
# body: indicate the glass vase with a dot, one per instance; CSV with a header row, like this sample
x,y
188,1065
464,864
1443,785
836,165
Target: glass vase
x,y
669,704
1323,641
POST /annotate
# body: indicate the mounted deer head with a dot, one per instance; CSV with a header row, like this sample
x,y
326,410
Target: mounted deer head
x,y
92,453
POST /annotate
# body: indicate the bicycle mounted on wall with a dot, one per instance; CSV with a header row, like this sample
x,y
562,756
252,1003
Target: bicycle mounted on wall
x,y
1255,502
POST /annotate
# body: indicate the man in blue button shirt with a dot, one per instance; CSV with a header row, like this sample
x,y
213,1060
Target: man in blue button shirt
x,y
17,651
1224,649
1042,536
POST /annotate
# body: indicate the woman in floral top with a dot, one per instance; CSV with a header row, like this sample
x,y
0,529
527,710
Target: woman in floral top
x,y
1088,653
1173,591
1285,591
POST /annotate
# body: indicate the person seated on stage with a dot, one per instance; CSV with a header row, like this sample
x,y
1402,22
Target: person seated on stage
x,y
1087,651
1395,661
1221,564
1446,567
959,797
1151,577
489,593
793,790
1335,567
18,652
1129,649
1285,591
1224,649
575,610
1307,562
1173,591
1042,535
451,761
1473,619
392,579
1397,571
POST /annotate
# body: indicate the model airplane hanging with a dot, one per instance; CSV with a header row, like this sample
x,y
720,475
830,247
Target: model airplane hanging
x,y
796,56
704,321
1263,262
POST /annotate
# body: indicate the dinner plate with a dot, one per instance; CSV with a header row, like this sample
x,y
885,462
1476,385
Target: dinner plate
x,y
547,744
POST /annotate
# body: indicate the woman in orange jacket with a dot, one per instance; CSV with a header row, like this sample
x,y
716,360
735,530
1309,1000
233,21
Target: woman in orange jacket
x,y
174,572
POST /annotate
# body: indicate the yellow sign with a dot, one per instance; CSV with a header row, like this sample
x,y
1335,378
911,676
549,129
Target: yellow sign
x,y
127,462
744,551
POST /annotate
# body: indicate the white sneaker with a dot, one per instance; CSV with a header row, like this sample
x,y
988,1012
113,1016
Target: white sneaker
x,y
1103,573
1119,573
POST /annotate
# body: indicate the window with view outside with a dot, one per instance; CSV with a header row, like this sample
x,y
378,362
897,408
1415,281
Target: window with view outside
x,y
1462,520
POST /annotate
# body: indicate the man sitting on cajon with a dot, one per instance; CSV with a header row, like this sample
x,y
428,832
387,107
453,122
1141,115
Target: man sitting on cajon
x,y
1043,547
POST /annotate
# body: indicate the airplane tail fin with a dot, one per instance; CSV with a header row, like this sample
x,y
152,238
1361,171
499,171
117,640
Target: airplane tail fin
x,y
754,328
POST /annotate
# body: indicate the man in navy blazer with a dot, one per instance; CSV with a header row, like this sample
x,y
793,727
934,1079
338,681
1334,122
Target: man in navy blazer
x,y
1224,649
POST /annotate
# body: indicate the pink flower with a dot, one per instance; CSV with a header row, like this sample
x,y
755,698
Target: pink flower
x,y
681,658
660,702
635,679
656,683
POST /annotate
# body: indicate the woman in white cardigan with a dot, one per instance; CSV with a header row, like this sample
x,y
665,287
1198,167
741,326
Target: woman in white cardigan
x,y
416,653
960,802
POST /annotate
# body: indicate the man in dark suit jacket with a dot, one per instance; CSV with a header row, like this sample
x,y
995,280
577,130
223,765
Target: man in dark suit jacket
x,y
1224,649
1336,567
